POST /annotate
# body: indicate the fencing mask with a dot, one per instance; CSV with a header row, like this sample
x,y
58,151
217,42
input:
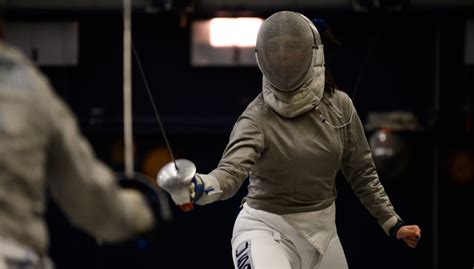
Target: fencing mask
x,y
288,47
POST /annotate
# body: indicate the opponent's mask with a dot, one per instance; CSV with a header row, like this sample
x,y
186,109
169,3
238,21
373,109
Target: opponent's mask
x,y
288,47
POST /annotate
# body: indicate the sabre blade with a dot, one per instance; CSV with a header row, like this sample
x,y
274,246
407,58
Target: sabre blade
x,y
153,105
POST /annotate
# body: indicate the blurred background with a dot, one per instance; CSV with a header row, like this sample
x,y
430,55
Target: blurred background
x,y
408,65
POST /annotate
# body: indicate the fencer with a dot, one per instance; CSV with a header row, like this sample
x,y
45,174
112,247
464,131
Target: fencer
x,y
41,148
290,142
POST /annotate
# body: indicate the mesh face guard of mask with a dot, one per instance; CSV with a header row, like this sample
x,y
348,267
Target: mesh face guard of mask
x,y
288,46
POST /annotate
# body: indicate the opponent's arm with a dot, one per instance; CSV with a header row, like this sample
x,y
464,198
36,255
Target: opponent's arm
x,y
84,188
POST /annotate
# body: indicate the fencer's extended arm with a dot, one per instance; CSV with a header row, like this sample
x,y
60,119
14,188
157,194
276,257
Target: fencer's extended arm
x,y
246,143
86,189
359,169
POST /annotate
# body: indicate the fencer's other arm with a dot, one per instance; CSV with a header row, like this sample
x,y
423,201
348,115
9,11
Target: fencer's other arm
x,y
84,188
410,234
359,169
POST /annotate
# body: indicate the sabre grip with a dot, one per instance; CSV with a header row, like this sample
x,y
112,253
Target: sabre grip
x,y
176,178
199,190
186,187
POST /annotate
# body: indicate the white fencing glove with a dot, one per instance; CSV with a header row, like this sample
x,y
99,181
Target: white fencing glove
x,y
206,189
180,180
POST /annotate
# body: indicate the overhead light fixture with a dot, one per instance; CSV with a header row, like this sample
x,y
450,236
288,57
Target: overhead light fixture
x,y
224,41
234,32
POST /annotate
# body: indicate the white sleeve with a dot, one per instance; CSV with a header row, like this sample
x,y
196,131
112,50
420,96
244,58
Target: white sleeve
x,y
86,189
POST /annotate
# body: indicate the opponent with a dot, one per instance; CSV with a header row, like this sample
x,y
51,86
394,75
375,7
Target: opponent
x,y
41,148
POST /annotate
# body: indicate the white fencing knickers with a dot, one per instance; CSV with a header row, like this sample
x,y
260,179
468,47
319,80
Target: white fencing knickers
x,y
263,240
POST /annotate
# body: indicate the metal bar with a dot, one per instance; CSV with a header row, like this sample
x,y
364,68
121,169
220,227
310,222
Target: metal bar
x,y
436,146
221,4
127,88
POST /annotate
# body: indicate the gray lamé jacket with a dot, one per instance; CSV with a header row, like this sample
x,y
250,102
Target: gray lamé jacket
x,y
41,148
292,153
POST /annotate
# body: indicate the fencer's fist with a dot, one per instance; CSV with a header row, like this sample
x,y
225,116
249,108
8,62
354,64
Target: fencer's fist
x,y
177,179
410,234
180,180
202,190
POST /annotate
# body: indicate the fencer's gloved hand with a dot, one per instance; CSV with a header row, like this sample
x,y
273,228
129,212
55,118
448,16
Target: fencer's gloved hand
x,y
205,189
155,199
180,180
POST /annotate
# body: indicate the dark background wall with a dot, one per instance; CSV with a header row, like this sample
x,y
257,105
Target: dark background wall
x,y
391,56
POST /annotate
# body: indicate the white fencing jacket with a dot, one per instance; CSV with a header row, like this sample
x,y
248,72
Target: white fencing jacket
x,y
41,148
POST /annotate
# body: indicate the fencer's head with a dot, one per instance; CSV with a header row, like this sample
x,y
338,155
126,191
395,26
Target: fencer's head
x,y
287,42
